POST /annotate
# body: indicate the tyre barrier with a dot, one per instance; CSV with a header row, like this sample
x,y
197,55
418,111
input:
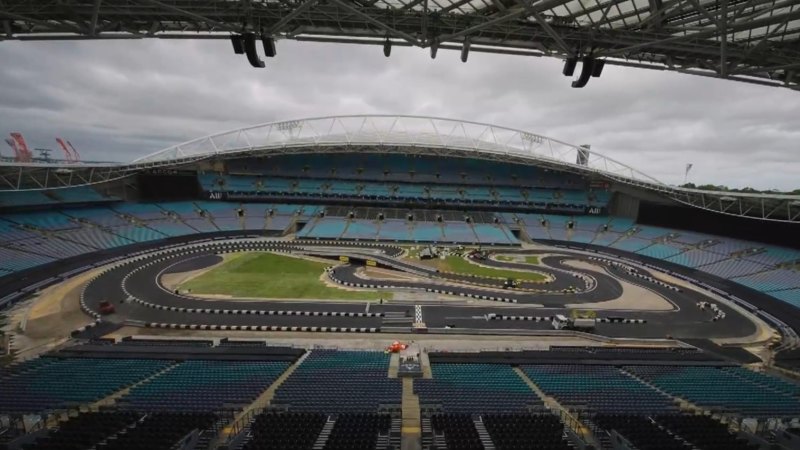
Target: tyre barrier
x,y
529,318
632,271
548,318
620,320
84,307
89,326
332,276
184,326
548,276
470,295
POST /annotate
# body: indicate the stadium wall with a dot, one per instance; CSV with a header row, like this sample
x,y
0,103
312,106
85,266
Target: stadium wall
x,y
624,205
693,219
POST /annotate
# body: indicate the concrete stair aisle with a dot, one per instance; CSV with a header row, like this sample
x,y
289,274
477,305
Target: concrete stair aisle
x,y
261,402
111,399
683,404
602,439
425,362
395,434
346,227
310,225
411,433
474,233
427,433
506,232
439,442
483,434
579,428
322,439
394,365
392,439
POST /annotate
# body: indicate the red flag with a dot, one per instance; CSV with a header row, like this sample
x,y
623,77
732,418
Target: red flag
x,y
75,153
67,153
13,146
25,154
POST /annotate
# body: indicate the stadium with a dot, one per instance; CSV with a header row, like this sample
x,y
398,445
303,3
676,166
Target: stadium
x,y
384,282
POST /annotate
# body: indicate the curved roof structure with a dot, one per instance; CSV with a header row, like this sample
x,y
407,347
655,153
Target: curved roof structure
x,y
745,40
407,135
448,137
395,133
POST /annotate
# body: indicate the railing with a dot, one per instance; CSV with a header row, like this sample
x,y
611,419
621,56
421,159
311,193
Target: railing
x,y
242,422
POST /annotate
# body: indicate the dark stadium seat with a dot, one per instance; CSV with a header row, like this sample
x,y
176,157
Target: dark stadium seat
x,y
122,431
640,431
703,432
525,431
458,429
475,388
285,431
357,431
340,382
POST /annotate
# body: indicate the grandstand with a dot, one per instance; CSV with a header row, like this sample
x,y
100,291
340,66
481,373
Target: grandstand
x,y
348,399
149,363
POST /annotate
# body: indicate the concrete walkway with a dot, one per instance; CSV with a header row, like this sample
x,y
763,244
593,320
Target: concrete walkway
x,y
411,436
551,403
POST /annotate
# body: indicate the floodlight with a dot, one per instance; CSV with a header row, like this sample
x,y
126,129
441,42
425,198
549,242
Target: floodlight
x,y
387,48
269,46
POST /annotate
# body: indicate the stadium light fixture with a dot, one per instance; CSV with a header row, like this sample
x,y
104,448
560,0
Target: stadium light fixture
x,y
387,48
269,46
250,50
465,50
587,69
238,45
569,66
597,70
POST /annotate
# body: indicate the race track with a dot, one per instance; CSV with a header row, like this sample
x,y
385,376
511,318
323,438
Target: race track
x,y
138,296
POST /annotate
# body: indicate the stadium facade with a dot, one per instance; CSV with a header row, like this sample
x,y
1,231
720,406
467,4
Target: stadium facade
x,y
530,186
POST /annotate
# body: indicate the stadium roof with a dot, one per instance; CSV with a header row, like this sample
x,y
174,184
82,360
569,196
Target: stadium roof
x,y
399,134
745,40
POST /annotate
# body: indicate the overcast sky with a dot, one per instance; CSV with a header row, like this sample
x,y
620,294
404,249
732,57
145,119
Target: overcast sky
x,y
117,100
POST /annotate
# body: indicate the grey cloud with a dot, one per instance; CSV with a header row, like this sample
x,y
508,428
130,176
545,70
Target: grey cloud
x,y
120,100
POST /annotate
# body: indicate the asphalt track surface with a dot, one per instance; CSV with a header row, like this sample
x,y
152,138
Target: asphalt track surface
x,y
135,290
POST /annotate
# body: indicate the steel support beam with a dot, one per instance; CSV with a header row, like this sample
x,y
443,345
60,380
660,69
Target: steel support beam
x,y
739,25
722,24
276,28
42,23
95,18
198,17
514,14
392,31
552,33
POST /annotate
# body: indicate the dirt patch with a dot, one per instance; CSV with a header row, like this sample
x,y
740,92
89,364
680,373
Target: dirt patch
x,y
633,297
52,316
172,281
375,273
